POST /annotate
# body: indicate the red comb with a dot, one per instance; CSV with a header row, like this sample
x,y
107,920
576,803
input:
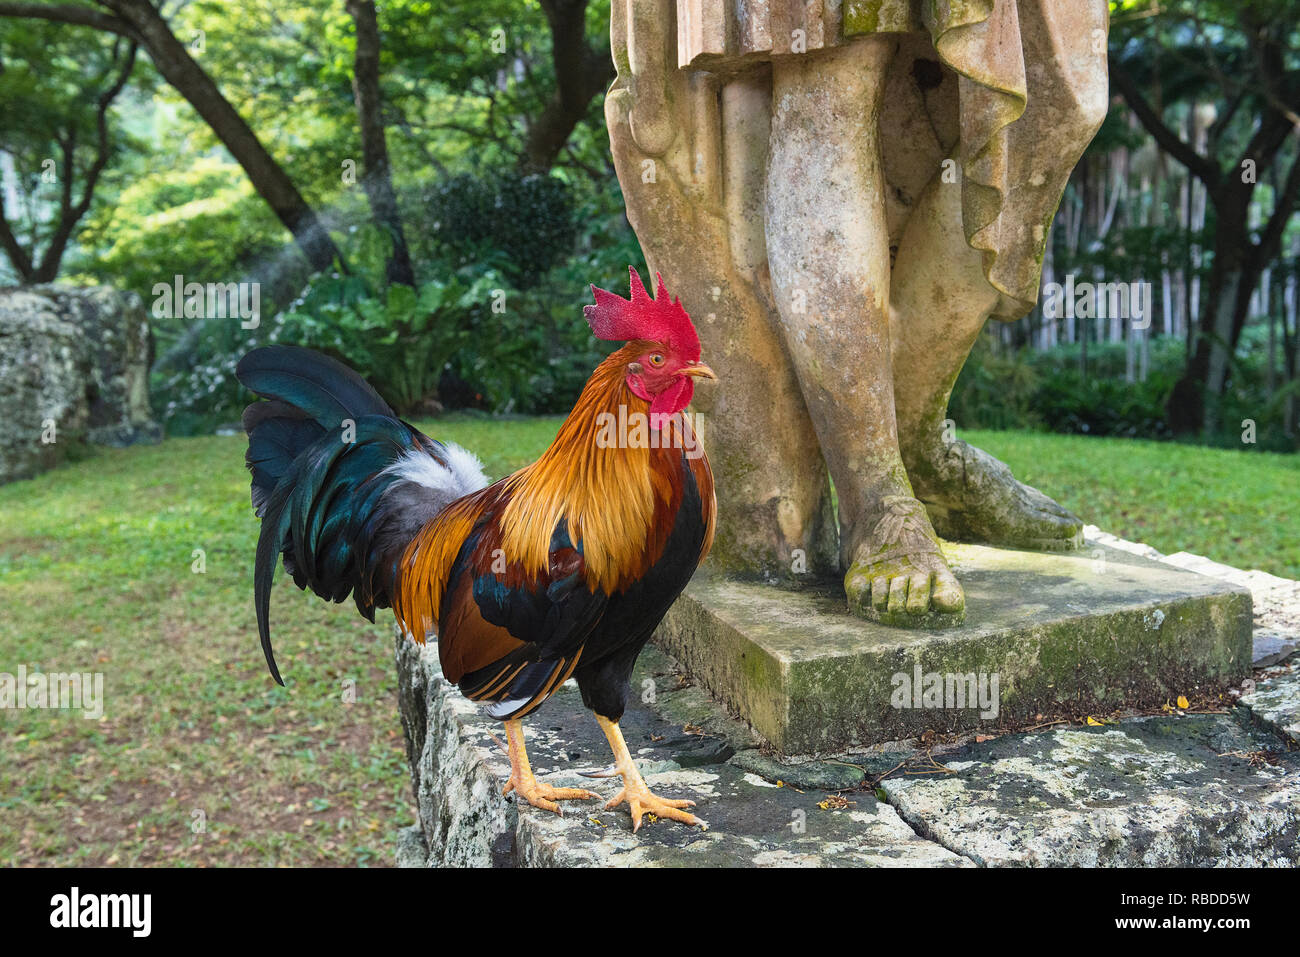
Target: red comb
x,y
661,319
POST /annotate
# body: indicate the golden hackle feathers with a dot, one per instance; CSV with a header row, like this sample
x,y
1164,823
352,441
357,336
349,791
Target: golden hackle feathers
x,y
609,496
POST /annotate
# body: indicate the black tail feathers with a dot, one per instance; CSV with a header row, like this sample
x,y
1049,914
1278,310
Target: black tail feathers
x,y
322,452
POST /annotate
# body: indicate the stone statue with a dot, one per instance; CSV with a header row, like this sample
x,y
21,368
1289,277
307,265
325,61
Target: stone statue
x,y
843,192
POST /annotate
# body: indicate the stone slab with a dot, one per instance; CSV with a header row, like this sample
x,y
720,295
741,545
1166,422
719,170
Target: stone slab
x,y
1083,632
1182,790
1276,600
1195,790
1275,701
459,767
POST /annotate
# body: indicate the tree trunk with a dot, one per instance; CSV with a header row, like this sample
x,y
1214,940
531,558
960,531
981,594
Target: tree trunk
x,y
176,65
580,73
377,179
1234,277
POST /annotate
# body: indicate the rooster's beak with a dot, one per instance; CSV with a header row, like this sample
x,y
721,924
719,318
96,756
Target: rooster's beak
x,y
699,370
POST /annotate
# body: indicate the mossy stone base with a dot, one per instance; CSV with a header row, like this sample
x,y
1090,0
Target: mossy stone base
x,y
1065,634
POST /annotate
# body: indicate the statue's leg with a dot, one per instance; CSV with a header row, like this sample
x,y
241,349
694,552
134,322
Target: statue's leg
x,y
828,250
686,158
940,300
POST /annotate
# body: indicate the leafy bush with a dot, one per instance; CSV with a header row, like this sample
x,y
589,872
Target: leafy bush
x,y
1050,390
996,391
521,225
400,340
204,223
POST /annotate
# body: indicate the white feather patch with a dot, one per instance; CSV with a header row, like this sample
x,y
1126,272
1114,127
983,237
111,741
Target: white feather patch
x,y
499,709
462,474
466,465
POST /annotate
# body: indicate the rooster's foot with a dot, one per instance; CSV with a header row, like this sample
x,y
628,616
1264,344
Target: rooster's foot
x,y
640,801
524,784
542,795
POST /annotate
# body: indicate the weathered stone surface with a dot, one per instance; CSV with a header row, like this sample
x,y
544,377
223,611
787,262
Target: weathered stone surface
x,y
76,358
460,768
831,775
1276,600
1199,790
1086,632
115,328
44,370
1275,702
411,849
1150,792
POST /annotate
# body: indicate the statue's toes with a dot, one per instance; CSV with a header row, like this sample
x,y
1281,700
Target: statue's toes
x,y
857,586
880,593
898,594
918,592
903,594
946,595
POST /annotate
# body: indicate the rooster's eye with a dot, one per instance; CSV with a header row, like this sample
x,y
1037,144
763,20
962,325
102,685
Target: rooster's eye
x,y
656,360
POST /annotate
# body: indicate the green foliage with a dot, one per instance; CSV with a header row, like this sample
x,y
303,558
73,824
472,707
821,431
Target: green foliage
x,y
996,391
51,80
202,221
522,224
1053,391
400,340
465,335
537,354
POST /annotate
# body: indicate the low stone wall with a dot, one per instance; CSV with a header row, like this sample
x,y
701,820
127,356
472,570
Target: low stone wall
x,y
1214,789
459,766
74,367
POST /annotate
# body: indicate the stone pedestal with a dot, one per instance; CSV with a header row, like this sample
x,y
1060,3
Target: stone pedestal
x,y
1051,635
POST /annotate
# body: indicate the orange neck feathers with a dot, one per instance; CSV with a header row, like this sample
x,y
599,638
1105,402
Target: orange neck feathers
x,y
609,490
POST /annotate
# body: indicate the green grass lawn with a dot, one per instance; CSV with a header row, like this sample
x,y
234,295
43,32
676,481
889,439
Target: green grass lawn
x,y
96,574
200,759
1236,507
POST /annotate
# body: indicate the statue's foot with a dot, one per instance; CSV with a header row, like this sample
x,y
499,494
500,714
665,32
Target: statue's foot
x,y
898,576
971,496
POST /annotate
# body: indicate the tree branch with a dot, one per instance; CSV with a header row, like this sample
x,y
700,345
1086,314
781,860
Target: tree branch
x,y
69,214
22,263
66,13
1284,203
580,74
1198,165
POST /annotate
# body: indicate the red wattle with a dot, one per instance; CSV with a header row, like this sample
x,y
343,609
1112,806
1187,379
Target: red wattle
x,y
673,399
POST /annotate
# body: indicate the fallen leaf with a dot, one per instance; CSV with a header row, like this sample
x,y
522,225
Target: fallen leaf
x,y
835,803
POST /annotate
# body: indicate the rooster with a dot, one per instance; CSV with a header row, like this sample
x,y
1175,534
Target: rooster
x,y
562,569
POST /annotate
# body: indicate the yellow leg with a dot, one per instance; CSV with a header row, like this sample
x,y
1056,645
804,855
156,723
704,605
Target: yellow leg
x,y
528,787
635,793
